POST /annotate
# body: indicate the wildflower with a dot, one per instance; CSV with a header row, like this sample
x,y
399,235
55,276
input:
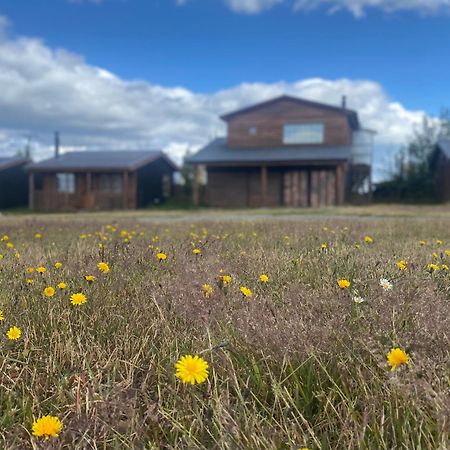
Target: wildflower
x,y
226,280
78,299
368,239
90,278
422,243
61,285
385,284
191,369
10,245
433,267
196,251
49,291
438,242
207,290
83,236
38,235
47,427
444,267
161,256
2,316
245,291
103,267
324,247
447,252
29,281
29,270
263,278
41,270
343,283
58,265
1,257
5,237
358,299
396,357
402,264
14,333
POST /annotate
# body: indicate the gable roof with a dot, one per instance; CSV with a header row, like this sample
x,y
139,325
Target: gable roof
x,y
10,161
100,161
218,152
352,115
444,145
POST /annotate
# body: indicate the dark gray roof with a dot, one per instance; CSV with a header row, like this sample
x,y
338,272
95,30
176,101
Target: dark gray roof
x,y
100,160
218,152
444,145
11,161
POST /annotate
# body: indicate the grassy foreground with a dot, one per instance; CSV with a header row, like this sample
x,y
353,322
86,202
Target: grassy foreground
x,y
297,364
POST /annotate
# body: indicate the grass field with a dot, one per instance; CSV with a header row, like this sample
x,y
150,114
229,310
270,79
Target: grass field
x,y
301,362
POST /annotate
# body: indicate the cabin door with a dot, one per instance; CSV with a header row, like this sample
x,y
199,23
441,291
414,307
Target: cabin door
x,y
315,188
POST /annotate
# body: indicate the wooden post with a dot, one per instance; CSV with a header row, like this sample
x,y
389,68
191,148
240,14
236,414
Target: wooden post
x,y
88,182
196,187
340,185
31,190
125,191
263,185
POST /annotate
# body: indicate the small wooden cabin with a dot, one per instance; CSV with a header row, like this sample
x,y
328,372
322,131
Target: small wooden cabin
x,y
441,168
13,182
286,152
101,180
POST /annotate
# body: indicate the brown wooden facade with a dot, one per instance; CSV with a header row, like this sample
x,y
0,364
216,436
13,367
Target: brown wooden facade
x,y
234,181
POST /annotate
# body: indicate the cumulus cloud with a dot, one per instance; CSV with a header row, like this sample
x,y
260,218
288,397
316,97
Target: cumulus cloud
x,y
45,89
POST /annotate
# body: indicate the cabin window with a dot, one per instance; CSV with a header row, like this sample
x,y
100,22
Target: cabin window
x,y
166,185
112,183
253,131
305,133
66,182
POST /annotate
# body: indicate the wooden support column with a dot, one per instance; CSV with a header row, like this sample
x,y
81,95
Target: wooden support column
x,y
263,185
340,185
31,190
88,182
125,190
196,187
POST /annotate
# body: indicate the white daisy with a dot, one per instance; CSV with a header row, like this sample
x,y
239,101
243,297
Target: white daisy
x,y
358,299
385,284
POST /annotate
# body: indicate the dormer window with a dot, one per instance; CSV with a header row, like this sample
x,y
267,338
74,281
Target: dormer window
x,y
304,133
253,131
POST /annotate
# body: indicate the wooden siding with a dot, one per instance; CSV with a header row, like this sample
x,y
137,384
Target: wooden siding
x,y
270,120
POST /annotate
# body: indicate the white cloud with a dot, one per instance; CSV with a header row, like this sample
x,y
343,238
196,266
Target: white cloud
x,y
45,90
251,6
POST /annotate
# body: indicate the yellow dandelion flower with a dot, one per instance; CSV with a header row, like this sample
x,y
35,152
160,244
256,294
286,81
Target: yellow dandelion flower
x,y
438,242
29,270
78,299
5,237
191,369
2,316
103,267
49,291
226,280
402,264
161,256
14,333
444,267
368,239
29,281
433,267
47,427
196,251
396,357
1,257
246,292
422,243
263,278
207,290
58,265
41,270
90,278
323,247
61,285
447,252
10,245
343,283
38,235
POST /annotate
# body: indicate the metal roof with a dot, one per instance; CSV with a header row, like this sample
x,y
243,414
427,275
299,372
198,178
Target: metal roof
x,y
444,145
11,161
218,152
100,160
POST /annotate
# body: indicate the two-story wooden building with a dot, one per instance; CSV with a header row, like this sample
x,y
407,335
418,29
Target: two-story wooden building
x,y
100,180
287,151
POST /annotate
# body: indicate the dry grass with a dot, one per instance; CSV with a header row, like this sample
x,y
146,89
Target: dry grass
x,y
299,364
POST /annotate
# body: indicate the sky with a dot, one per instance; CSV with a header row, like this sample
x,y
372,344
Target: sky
x,y
130,74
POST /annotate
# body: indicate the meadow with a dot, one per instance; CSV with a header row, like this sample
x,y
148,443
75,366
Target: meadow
x,y
319,333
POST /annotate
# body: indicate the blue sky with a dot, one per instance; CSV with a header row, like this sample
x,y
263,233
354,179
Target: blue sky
x,y
157,73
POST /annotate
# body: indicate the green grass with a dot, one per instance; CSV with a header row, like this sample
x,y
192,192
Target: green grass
x,y
298,364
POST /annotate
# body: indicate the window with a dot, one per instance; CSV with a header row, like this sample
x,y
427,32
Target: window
x,y
166,185
306,133
112,183
66,182
253,131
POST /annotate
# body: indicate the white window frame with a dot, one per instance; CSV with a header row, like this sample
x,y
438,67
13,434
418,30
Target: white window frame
x,y
303,133
65,183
